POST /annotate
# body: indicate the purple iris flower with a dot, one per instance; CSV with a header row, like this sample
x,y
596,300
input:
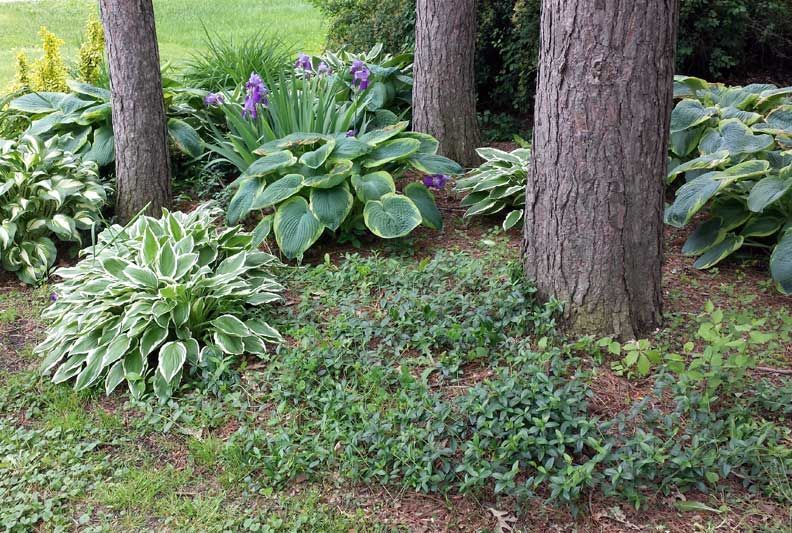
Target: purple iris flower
x,y
256,94
360,74
214,99
351,133
323,69
436,181
54,297
304,62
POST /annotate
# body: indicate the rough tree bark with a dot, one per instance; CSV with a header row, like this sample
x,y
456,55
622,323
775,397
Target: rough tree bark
x,y
444,93
139,124
594,200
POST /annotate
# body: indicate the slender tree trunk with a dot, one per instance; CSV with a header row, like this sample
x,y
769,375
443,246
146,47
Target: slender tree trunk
x,y
594,200
444,94
139,124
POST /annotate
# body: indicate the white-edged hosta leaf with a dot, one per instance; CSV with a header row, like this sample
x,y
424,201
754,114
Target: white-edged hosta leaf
x,y
228,343
152,337
167,261
114,377
116,350
512,219
141,276
172,356
230,325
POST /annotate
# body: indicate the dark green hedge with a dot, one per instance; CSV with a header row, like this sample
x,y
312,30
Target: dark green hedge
x,y
717,39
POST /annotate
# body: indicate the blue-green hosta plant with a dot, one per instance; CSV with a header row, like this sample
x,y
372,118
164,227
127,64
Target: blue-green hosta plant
x,y
497,185
46,195
83,115
733,146
153,301
341,183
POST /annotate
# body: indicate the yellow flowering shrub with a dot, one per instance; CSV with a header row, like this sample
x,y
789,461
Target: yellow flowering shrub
x,y
49,72
91,55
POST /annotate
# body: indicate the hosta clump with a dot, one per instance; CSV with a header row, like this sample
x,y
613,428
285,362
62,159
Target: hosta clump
x,y
498,184
158,298
46,194
733,145
341,183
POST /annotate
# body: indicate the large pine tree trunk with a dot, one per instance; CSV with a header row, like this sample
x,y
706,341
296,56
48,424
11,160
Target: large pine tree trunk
x,y
139,124
444,94
594,200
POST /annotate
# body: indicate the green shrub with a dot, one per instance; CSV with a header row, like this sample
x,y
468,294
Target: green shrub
x,y
496,185
341,183
84,115
733,144
716,38
158,299
226,64
46,193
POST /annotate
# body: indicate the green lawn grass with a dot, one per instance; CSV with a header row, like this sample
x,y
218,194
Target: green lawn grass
x,y
179,25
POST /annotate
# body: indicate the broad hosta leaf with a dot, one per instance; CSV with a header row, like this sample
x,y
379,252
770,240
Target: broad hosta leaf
x,y
705,162
690,113
296,227
719,252
768,191
778,122
734,137
731,210
376,137
294,140
278,191
391,151
185,138
762,226
316,158
230,325
781,263
685,86
683,143
391,216
36,103
350,148
331,206
171,359
747,169
690,198
242,201
512,219
373,186
435,164
102,147
270,163
429,144
425,202
706,235
337,174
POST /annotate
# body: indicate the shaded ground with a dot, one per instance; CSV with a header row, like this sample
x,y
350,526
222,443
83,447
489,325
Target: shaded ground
x,y
176,479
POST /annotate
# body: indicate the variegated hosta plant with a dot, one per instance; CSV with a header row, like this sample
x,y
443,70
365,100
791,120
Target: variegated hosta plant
x,y
341,183
497,185
157,299
46,194
733,146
